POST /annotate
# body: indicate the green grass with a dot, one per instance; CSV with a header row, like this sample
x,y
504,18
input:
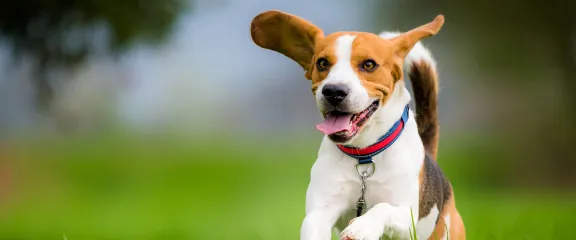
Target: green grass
x,y
116,188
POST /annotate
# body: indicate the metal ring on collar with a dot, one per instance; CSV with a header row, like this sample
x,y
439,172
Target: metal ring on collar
x,y
368,174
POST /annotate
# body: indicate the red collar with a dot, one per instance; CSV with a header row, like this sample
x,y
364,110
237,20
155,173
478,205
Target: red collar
x,y
364,155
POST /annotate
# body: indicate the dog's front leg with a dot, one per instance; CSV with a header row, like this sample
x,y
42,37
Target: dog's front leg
x,y
318,224
382,219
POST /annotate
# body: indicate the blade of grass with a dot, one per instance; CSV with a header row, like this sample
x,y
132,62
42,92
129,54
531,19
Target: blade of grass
x,y
413,232
447,233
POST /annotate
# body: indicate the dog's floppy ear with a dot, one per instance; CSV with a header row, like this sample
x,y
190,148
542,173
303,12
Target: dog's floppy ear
x,y
287,34
404,42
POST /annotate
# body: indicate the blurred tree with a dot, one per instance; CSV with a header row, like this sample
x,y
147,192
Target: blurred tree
x,y
60,33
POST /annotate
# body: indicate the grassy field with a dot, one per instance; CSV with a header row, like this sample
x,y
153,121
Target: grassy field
x,y
116,188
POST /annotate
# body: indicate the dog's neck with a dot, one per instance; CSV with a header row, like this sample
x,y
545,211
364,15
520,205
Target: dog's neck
x,y
384,118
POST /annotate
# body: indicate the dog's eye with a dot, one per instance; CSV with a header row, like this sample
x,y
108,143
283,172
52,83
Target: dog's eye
x,y
368,65
322,64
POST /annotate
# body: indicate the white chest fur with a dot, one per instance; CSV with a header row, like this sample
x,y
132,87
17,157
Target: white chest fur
x,y
335,183
395,179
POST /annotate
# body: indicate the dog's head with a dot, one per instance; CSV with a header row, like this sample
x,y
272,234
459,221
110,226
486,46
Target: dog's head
x,y
352,73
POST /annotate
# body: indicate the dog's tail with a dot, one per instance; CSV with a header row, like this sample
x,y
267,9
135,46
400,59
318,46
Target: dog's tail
x,y
421,68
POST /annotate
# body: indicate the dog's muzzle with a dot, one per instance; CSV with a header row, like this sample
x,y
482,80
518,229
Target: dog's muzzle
x,y
335,93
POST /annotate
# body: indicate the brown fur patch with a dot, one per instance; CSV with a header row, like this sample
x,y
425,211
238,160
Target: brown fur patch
x,y
287,34
440,229
380,82
434,188
425,88
456,229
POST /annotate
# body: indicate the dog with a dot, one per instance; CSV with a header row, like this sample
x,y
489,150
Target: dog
x,y
375,175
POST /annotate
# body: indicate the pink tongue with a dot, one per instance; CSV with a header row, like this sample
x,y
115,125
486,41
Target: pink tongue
x,y
333,124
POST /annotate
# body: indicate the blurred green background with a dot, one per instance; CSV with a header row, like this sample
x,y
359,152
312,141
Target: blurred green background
x,y
157,187
161,119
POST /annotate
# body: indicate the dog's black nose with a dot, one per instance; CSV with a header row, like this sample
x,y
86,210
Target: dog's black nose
x,y
335,93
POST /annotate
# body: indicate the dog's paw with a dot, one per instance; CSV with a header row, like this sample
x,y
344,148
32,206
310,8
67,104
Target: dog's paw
x,y
363,228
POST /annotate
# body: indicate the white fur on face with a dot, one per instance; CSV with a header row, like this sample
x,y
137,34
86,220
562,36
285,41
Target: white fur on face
x,y
342,72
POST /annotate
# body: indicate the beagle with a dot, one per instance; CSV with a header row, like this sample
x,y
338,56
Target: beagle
x,y
375,175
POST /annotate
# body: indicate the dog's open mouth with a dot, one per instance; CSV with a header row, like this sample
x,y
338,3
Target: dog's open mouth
x,y
341,126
